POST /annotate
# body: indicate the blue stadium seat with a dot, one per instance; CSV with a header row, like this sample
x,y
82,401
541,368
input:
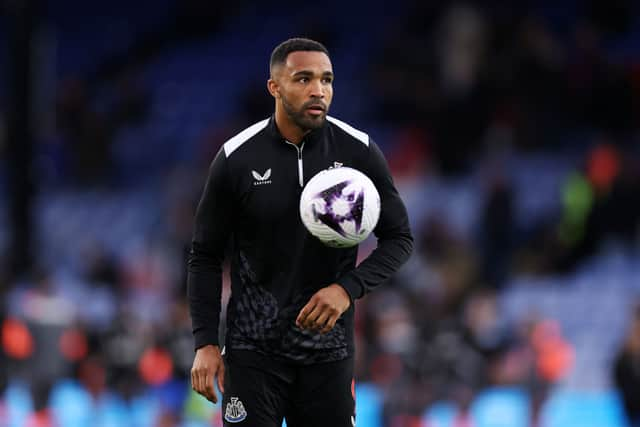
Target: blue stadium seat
x,y
440,414
583,409
19,404
368,405
72,405
501,407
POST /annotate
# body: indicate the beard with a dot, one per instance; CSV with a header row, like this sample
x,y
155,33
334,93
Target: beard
x,y
301,119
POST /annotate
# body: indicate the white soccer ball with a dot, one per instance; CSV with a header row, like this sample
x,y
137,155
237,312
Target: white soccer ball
x,y
340,206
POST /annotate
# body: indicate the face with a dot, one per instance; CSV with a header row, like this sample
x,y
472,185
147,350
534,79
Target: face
x,y
303,88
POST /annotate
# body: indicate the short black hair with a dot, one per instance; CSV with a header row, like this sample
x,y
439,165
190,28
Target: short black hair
x,y
282,51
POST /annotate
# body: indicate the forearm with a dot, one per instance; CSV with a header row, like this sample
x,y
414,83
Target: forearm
x,y
379,266
393,232
204,286
211,233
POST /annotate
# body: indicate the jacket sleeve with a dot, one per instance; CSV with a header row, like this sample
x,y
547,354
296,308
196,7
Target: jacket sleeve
x,y
210,236
395,242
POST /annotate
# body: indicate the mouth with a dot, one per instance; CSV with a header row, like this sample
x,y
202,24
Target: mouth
x,y
316,109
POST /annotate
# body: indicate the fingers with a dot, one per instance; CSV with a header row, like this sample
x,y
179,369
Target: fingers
x,y
329,324
312,318
221,378
209,387
207,365
202,383
309,314
195,381
317,317
321,320
304,313
324,309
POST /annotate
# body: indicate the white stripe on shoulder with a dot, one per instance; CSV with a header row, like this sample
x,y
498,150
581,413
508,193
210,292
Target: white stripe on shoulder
x,y
357,134
232,144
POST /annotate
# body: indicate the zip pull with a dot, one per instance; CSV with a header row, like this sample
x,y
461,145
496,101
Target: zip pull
x,y
300,172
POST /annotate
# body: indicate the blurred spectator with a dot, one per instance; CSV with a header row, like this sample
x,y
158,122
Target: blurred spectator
x,y
622,206
485,328
86,133
131,103
410,157
179,339
37,342
451,260
600,207
93,376
122,346
626,370
601,91
89,132
537,357
496,233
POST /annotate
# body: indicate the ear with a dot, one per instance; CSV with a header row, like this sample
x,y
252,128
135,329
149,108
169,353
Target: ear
x,y
273,88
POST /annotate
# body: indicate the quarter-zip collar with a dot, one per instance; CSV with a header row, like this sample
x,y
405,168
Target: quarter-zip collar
x,y
309,138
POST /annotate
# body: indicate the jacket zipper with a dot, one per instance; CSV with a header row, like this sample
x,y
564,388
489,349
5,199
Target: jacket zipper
x,y
300,172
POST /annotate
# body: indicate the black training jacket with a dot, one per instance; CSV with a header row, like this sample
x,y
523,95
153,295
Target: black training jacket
x,y
251,201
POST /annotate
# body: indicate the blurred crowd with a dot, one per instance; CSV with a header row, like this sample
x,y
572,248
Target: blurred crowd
x,y
455,92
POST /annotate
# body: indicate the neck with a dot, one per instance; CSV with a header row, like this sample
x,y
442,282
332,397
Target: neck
x,y
289,130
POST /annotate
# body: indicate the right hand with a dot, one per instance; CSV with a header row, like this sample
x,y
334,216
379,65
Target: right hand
x,y
207,365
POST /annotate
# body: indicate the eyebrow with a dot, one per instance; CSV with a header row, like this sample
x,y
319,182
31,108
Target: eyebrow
x,y
310,73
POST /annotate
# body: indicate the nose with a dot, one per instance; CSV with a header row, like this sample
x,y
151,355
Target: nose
x,y
316,89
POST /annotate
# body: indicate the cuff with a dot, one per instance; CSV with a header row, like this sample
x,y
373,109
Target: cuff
x,y
204,337
352,286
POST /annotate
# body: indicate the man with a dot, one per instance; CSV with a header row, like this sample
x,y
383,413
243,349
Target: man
x,y
289,340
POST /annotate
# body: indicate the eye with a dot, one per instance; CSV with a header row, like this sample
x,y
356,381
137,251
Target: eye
x,y
327,80
303,79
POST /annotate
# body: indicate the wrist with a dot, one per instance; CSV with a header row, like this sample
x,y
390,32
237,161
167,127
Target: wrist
x,y
352,286
341,289
209,347
205,336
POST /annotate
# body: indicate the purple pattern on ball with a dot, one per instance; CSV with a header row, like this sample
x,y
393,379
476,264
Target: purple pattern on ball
x,y
333,220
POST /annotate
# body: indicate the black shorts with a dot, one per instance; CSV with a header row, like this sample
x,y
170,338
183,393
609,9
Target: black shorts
x,y
261,392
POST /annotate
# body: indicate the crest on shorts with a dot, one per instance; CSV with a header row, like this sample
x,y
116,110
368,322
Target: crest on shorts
x,y
235,412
